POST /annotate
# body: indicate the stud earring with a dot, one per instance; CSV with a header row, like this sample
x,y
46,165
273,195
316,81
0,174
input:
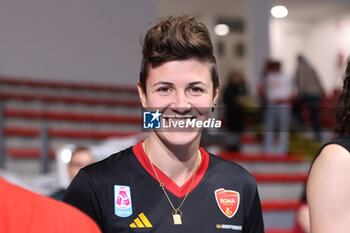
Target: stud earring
x,y
212,108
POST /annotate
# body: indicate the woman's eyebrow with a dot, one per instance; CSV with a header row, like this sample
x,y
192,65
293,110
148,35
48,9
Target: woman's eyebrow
x,y
197,82
163,83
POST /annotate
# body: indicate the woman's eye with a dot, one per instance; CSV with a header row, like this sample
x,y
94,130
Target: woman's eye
x,y
195,90
163,90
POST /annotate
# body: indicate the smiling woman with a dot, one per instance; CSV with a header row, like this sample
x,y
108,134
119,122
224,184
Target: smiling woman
x,y
179,88
167,183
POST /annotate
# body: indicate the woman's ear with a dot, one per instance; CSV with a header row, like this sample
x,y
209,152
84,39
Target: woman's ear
x,y
142,95
216,94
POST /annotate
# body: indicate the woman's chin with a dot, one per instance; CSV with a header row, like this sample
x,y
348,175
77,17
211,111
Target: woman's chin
x,y
180,138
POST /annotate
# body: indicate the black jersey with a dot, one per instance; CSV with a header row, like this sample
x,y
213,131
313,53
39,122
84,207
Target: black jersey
x,y
122,194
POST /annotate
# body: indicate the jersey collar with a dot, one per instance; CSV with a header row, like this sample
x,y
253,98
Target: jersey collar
x,y
171,186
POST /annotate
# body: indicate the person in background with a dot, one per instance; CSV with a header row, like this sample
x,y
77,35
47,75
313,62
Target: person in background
x,y
80,158
261,90
168,183
234,97
277,112
328,186
24,211
310,93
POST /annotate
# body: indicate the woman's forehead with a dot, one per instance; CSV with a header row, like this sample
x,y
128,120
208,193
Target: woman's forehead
x,y
180,71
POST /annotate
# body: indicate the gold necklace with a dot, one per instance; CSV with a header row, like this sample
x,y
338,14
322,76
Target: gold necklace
x,y
177,213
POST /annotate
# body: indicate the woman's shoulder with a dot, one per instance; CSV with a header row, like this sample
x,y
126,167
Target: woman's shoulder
x,y
230,169
332,159
328,187
337,147
344,141
333,154
119,159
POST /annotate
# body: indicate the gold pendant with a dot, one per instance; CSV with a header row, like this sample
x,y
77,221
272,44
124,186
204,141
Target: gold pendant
x,y
177,219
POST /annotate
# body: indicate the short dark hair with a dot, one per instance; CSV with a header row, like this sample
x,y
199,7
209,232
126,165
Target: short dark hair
x,y
175,39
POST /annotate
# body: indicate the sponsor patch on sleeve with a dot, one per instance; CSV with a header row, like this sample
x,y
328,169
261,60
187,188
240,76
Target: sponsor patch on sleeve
x,y
122,201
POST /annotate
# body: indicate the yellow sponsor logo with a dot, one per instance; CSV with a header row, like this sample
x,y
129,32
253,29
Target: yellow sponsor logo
x,y
141,222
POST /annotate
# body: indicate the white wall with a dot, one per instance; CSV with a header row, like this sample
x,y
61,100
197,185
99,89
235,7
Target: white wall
x,y
327,40
89,40
321,42
287,41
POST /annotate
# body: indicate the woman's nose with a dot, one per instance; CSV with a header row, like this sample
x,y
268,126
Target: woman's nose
x,y
181,102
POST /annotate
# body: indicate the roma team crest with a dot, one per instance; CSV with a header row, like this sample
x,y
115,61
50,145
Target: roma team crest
x,y
228,201
122,201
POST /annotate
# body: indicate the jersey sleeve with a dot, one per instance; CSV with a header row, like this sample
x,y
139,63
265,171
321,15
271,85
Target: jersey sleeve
x,y
82,194
254,221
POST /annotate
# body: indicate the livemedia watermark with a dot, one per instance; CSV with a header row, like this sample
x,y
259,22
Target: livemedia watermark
x,y
158,120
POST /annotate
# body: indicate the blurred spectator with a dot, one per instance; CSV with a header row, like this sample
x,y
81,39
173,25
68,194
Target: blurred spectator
x,y
234,98
24,211
80,158
262,92
302,221
262,84
277,113
310,93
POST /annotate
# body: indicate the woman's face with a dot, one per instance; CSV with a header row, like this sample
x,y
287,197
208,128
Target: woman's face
x,y
180,90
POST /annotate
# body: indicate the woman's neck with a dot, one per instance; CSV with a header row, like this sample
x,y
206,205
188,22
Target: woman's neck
x,y
177,162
